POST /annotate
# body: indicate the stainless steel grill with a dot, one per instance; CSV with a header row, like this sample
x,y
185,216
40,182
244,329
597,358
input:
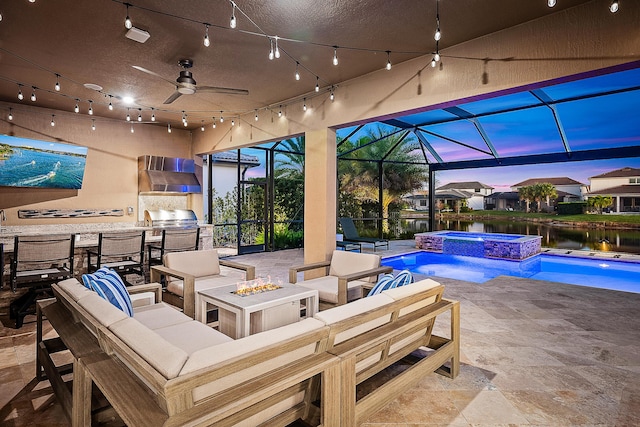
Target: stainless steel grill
x,y
170,218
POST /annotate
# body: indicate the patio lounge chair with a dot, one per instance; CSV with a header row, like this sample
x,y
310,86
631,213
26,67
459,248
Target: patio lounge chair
x,y
351,235
346,275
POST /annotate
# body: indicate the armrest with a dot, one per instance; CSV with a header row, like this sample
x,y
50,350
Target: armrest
x,y
146,287
188,286
344,280
293,271
249,270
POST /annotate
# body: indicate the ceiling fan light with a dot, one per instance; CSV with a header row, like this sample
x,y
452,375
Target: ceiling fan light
x,y
614,6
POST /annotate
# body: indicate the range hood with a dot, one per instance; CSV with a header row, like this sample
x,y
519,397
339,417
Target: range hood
x,y
158,174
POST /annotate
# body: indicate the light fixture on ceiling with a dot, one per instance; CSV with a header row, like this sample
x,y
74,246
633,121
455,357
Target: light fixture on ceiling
x,y
317,84
332,96
93,124
280,112
297,71
202,125
277,50
128,116
57,85
132,128
168,127
335,55
153,115
53,120
256,115
206,40
0,16
437,35
232,22
32,1
615,5
90,108
213,125
221,117
76,109
139,115
127,21
20,95
10,114
433,62
233,122
138,35
388,67
551,3
271,53
304,104
127,99
33,93
110,104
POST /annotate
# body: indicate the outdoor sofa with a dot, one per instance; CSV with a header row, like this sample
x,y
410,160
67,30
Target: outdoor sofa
x,y
160,367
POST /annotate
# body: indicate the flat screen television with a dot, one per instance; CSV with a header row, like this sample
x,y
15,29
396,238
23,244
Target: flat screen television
x,y
40,164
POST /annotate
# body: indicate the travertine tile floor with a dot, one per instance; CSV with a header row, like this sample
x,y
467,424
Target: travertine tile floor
x,y
533,354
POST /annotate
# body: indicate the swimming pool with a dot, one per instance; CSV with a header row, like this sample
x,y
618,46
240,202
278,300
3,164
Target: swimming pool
x,y
592,272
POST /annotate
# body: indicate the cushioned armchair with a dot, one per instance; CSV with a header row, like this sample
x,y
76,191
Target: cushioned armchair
x,y
191,271
345,277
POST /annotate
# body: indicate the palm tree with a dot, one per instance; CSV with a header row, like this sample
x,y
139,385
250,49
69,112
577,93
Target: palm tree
x,y
600,202
290,162
544,190
526,194
396,152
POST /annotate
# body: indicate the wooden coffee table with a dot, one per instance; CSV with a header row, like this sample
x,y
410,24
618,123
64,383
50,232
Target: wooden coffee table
x,y
240,316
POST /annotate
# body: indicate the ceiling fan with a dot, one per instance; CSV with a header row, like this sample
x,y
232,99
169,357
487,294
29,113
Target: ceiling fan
x,y
186,84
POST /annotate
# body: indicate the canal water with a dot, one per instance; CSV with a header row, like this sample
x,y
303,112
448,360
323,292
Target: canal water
x,y
560,237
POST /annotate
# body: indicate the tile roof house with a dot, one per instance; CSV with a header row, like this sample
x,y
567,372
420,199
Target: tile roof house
x,y
568,189
621,184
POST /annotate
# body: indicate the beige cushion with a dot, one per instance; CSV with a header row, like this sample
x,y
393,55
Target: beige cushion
x,y
327,287
165,357
218,354
197,263
74,289
346,262
142,299
101,309
411,289
176,287
342,312
192,336
160,316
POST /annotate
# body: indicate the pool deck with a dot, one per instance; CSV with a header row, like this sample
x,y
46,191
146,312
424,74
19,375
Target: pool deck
x,y
533,353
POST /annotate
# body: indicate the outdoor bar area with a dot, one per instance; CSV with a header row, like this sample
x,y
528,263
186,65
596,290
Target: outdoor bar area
x,y
230,213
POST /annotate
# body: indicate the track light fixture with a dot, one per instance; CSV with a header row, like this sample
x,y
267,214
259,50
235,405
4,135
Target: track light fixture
x,y
202,125
213,125
10,114
90,108
168,127
153,115
221,118
280,112
271,53
317,84
53,120
232,22
615,5
551,3
127,21
128,116
335,55
277,50
297,71
57,85
388,67
93,124
233,122
33,93
256,115
304,104
20,95
132,128
206,40
332,96
139,115
110,104
433,62
76,109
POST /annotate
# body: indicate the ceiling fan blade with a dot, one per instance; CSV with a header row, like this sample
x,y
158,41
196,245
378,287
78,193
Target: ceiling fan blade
x,y
225,90
175,95
144,70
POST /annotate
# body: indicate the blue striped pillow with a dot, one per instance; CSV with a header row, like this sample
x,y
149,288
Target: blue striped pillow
x,y
109,286
98,274
403,278
384,283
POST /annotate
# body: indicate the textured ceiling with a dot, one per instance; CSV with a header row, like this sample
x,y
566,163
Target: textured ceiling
x,y
84,42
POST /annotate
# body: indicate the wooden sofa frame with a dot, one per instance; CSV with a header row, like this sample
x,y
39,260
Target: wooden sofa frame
x,y
142,396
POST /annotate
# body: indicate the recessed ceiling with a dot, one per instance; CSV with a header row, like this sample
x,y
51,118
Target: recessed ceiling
x,y
77,42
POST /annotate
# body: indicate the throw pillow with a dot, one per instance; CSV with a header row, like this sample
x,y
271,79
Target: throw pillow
x,y
384,283
110,287
98,274
403,278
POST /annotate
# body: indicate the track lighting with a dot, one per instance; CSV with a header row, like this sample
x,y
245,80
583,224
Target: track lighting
x,y
388,67
32,1
280,112
335,55
128,116
271,53
132,128
433,63
304,104
256,115
213,125
153,115
20,95
332,97
10,114
139,116
57,85
436,57
168,127
437,34
232,22
297,72
202,125
277,51
317,84
90,108
110,104
221,118
93,124
76,109
53,120
33,94
127,21
615,5
206,40
551,3
233,122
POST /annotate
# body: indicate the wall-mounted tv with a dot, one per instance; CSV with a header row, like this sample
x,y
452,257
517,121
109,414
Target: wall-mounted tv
x,y
40,164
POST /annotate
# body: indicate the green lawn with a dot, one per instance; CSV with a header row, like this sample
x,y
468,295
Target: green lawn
x,y
619,219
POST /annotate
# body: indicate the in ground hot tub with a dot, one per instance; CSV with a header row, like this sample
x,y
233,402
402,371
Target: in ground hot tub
x,y
484,245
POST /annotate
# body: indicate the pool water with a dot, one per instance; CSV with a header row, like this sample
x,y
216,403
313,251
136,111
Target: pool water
x,y
592,272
